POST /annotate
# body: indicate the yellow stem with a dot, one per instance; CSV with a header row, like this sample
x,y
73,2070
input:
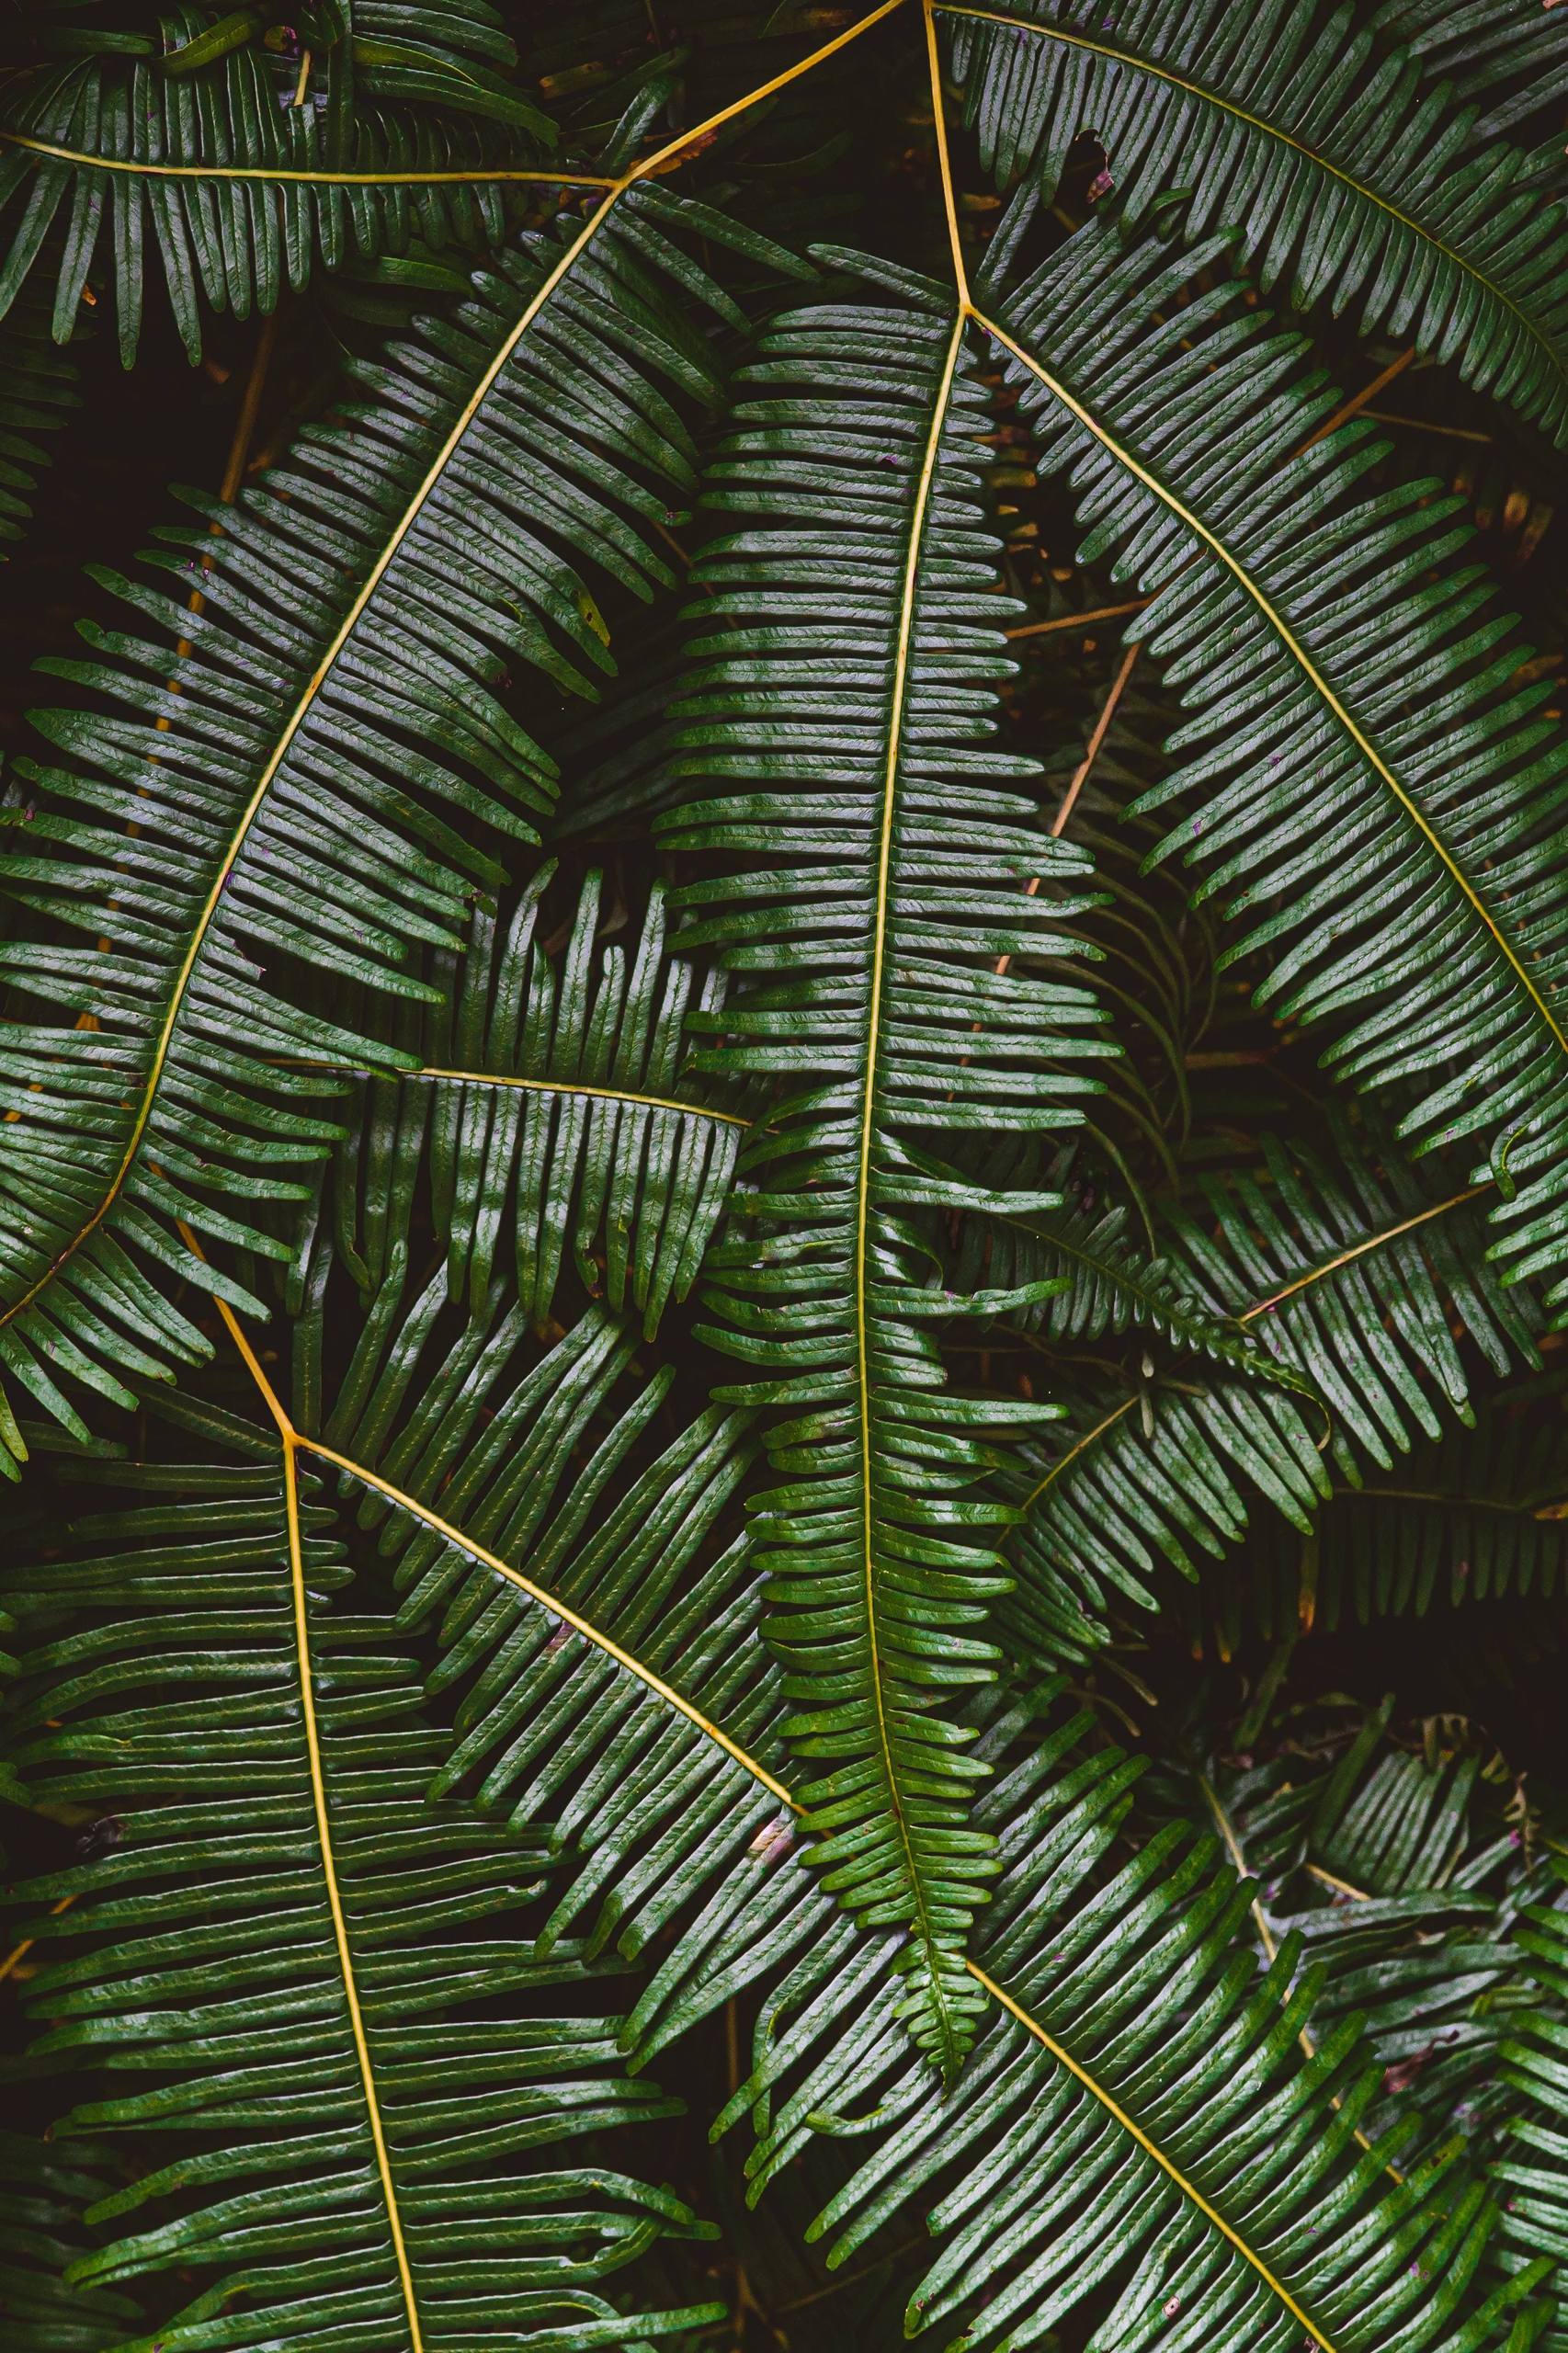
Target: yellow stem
x,y
431,1071
294,1440
289,1443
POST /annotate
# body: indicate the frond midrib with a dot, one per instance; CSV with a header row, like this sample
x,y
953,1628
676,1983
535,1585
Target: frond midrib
x,y
136,168
436,1074
294,1441
897,699
322,1809
164,1037
1292,644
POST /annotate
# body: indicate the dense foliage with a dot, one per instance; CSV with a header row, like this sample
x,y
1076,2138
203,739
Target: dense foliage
x,y
784,1176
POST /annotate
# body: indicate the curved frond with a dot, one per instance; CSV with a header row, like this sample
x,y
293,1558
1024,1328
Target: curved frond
x,y
324,1976
1343,172
1356,1287
864,847
1366,780
284,801
224,164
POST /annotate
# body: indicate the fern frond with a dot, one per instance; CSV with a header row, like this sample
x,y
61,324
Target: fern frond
x,y
864,846
1480,48
293,796
1481,1516
1399,1873
1137,2123
554,1116
47,2190
1107,1289
1334,160
1396,846
1136,2108
1354,1286
321,1972
222,163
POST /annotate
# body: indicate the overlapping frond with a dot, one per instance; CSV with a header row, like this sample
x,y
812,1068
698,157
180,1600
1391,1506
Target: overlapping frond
x,y
1107,1289
865,849
323,1974
1479,1515
1400,1873
1140,2133
235,169
1357,1288
607,1590
293,797
1346,174
1137,2110
553,1118
1367,785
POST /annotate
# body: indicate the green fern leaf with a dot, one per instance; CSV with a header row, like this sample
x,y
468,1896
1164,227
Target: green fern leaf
x,y
554,1115
1109,2112
846,769
1337,165
1399,862
239,187
38,396
313,1965
1354,1286
287,797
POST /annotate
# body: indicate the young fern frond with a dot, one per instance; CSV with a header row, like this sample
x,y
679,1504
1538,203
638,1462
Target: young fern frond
x,y
1367,781
1342,170
865,846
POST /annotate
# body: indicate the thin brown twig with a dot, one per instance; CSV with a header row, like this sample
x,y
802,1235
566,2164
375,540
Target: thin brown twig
x,y
1428,425
19,1952
1358,401
1081,774
1080,621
